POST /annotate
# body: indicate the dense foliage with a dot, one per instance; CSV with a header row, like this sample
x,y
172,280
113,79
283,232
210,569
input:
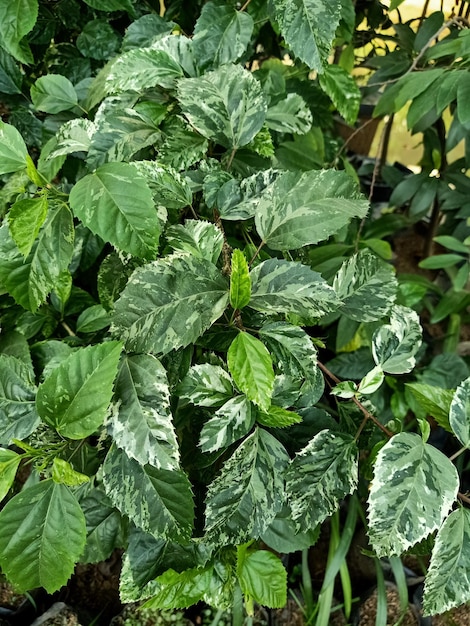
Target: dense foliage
x,y
186,257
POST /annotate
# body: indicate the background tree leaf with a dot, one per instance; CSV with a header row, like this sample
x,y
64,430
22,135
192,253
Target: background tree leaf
x,y
43,535
413,489
17,19
250,365
116,203
74,398
304,208
169,303
158,501
141,421
227,105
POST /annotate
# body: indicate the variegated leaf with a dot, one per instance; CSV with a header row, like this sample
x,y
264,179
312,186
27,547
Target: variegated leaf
x,y
73,136
320,476
169,188
141,421
447,582
201,239
221,34
413,489
309,27
286,287
341,87
293,350
158,501
238,200
367,287
169,303
206,385
304,208
227,106
231,422
394,345
143,68
245,497
180,49
290,115
459,415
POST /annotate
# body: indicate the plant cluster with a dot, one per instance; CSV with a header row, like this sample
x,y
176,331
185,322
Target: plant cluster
x,y
186,260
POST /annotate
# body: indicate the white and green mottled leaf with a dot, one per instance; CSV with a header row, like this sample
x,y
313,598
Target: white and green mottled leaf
x,y
75,396
262,577
302,208
13,151
238,200
182,146
447,582
18,416
434,401
116,203
180,49
221,35
43,535
158,501
25,219
53,93
279,286
413,489
240,281
9,461
309,27
394,345
201,239
231,422
320,476
371,381
459,414
30,280
343,91
141,421
244,498
73,136
169,187
103,527
227,106
290,115
367,287
141,69
169,303
250,365
206,385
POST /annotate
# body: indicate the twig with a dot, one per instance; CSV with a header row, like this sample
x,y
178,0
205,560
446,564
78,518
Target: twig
x,y
463,497
256,253
68,329
230,159
245,5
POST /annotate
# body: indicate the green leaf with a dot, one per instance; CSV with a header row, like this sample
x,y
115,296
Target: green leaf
x,y
13,151
180,590
92,319
262,577
448,581
251,367
74,398
283,536
206,385
288,287
343,91
434,400
304,208
278,417
98,40
309,27
169,187
116,203
231,422
345,389
43,535
112,5
367,287
440,261
227,106
18,416
11,77
25,219
240,282
158,501
463,98
221,35
200,239
459,415
413,489
290,115
103,527
452,243
320,476
17,19
53,93
63,473
141,421
9,462
144,31
141,69
238,200
394,345
245,497
169,303
30,280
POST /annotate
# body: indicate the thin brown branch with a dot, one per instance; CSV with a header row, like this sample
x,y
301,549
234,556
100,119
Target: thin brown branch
x,y
245,5
68,329
463,497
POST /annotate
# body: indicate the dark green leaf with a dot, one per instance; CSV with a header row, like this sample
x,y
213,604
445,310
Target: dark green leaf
x,y
283,537
180,590
343,91
98,40
17,19
463,98
145,30
103,527
440,261
92,319
434,400
112,5
11,77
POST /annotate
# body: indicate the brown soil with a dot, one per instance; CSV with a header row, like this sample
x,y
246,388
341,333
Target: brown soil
x,y
457,617
368,610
